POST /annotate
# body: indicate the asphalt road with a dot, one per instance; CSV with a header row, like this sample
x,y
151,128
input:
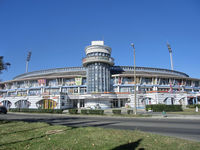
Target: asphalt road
x,y
182,128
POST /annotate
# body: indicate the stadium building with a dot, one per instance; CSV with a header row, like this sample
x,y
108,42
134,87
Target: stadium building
x,y
99,84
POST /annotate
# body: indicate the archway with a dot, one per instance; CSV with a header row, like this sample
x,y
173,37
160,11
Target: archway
x,y
46,104
22,104
147,100
6,103
182,101
169,101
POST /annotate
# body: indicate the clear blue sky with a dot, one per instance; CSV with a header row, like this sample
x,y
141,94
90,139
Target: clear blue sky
x,y
57,31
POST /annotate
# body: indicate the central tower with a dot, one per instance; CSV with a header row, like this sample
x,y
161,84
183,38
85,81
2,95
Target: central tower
x,y
98,62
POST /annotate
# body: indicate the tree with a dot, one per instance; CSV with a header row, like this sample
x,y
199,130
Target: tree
x,y
3,66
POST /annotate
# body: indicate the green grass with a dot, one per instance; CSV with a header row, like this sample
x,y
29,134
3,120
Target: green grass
x,y
188,111
42,136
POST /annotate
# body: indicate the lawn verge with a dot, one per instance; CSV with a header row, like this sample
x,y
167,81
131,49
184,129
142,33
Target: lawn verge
x,y
23,135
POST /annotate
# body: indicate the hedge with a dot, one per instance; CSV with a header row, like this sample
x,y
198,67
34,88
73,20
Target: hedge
x,y
73,111
96,111
92,111
129,111
193,106
84,111
163,107
116,111
57,111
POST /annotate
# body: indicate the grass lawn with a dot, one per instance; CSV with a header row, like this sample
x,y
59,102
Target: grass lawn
x,y
188,111
42,136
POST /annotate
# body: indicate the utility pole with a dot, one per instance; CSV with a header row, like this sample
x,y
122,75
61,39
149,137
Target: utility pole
x,y
27,60
135,96
170,53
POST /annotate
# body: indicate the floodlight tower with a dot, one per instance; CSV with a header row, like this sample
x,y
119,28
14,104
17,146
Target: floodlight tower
x,y
27,60
170,53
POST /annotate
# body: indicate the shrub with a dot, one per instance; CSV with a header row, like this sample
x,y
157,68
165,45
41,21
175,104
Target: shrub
x,y
129,111
73,111
27,110
193,106
14,110
84,111
163,107
96,111
116,111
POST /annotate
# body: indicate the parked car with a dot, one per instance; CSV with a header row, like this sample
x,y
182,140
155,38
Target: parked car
x,y
3,110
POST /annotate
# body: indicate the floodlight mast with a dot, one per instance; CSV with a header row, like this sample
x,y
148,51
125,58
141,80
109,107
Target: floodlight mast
x,y
170,53
27,60
135,96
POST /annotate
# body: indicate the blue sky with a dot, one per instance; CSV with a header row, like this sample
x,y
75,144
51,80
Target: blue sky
x,y
57,31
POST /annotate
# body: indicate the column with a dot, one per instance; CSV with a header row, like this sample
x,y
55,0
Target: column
x,y
27,92
193,102
78,90
119,103
118,88
78,103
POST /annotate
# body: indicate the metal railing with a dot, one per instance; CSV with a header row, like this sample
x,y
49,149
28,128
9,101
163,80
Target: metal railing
x,y
49,71
109,60
147,69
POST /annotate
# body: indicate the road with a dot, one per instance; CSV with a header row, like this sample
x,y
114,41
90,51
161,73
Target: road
x,y
182,128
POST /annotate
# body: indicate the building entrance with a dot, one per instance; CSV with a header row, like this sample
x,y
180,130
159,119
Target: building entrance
x,y
114,103
46,104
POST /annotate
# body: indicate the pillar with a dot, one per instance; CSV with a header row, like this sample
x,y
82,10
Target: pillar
x,y
119,103
78,103
79,90
193,102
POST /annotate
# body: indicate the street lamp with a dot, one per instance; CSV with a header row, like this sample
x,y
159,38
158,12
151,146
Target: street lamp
x,y
27,60
135,108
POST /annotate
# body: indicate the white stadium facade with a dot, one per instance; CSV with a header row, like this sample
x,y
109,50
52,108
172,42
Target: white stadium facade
x,y
99,84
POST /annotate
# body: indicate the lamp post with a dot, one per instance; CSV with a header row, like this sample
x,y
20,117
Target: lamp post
x,y
27,60
135,108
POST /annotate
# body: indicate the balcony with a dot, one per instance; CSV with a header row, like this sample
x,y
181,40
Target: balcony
x,y
102,59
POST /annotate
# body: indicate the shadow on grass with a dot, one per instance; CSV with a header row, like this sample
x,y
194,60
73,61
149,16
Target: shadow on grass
x,y
129,146
67,122
31,129
2,122
33,138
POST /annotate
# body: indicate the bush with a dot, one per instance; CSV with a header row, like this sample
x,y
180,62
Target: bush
x,y
163,107
84,111
116,111
27,110
14,110
73,111
193,106
96,112
129,111
92,111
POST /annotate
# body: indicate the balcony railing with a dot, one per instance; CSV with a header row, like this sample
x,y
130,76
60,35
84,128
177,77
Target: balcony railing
x,y
49,71
104,59
148,69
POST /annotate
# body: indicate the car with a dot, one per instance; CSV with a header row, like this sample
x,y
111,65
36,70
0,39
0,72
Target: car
x,y
3,110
